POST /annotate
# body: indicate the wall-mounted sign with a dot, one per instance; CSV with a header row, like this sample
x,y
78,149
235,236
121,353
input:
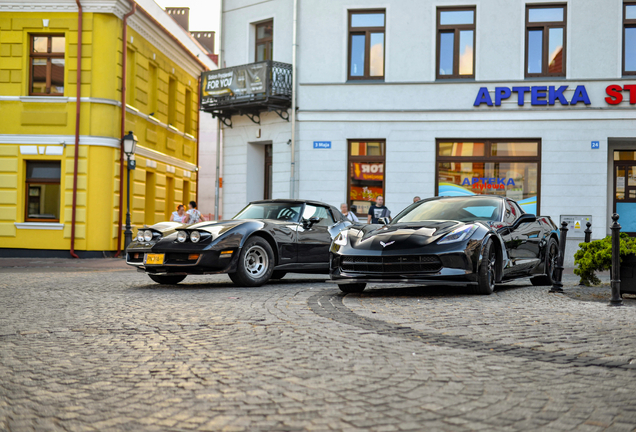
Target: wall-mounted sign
x,y
615,96
576,224
239,81
322,144
539,95
596,145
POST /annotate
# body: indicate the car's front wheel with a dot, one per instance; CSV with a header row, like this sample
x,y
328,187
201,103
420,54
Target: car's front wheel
x,y
255,264
352,288
487,270
167,279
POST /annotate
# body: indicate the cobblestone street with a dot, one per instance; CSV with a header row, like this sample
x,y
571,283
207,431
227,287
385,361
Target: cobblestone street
x,y
94,345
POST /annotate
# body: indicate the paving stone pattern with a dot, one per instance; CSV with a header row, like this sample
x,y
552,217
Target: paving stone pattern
x,y
107,349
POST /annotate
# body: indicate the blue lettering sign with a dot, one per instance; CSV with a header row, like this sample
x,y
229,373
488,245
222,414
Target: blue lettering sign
x,y
557,94
500,94
538,92
596,145
521,94
322,144
580,95
483,97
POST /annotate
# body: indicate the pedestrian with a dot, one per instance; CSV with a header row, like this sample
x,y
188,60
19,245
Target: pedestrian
x,y
179,215
193,215
416,199
348,213
378,210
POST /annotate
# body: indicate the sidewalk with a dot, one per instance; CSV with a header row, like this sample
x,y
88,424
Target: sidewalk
x,y
11,265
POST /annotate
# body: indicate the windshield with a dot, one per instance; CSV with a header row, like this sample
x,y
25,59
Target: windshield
x,y
458,209
279,211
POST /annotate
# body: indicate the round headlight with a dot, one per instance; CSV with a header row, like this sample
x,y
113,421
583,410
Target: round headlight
x,y
140,236
182,236
147,235
195,236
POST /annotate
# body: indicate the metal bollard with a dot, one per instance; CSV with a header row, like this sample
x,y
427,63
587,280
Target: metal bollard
x,y
557,286
616,299
588,232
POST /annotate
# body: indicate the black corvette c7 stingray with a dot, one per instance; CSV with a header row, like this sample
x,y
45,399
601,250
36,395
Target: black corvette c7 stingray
x,y
473,241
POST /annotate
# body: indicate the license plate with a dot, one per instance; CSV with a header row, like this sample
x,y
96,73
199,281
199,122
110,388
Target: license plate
x,y
154,259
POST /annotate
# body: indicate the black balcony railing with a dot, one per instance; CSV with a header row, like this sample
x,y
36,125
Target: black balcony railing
x,y
247,90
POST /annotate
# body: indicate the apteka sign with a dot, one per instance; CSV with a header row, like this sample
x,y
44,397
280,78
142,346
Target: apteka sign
x,y
549,95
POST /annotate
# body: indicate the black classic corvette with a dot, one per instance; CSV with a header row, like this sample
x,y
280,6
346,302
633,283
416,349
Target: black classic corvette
x,y
473,241
263,241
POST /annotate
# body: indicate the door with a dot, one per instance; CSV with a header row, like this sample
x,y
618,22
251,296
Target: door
x,y
522,242
314,241
267,193
625,190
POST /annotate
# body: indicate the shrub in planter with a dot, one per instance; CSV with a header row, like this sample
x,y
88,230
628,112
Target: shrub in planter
x,y
596,256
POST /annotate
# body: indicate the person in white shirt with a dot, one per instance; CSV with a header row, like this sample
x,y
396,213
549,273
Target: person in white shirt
x,y
348,214
179,215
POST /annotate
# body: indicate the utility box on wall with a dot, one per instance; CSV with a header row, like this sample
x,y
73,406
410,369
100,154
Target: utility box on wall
x,y
576,225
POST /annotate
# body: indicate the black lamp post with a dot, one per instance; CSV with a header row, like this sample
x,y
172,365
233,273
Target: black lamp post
x,y
129,143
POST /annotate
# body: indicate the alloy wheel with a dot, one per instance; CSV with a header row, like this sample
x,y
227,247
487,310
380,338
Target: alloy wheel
x,y
256,261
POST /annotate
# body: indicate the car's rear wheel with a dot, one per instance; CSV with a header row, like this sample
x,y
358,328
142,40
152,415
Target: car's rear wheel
x,y
352,288
487,270
167,279
255,264
278,274
551,257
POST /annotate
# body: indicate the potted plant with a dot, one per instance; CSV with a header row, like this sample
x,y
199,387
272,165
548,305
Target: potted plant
x,y
596,256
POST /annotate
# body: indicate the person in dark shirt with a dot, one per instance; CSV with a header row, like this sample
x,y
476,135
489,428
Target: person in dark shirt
x,y
378,210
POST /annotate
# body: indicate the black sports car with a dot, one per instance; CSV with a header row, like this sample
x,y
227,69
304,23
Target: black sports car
x,y
265,240
475,241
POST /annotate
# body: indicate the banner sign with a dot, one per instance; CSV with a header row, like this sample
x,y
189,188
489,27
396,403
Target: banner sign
x,y
368,171
239,81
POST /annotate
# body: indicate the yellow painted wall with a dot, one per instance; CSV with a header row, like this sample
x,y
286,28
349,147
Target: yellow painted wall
x,y
98,180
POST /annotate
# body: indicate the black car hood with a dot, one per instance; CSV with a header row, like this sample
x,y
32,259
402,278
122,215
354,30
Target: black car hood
x,y
409,235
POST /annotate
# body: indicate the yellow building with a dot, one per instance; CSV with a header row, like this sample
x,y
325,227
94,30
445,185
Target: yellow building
x,y
38,87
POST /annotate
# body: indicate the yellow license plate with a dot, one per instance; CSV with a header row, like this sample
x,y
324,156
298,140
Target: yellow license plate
x,y
156,259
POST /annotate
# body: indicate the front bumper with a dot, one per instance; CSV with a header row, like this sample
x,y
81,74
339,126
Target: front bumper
x,y
446,266
178,262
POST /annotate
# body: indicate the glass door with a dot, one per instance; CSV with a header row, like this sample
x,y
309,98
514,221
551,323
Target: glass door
x,y
625,189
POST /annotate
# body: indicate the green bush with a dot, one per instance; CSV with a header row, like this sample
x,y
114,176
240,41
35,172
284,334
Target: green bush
x,y
596,256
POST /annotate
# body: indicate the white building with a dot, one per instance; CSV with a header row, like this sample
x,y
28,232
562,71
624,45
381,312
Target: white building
x,y
533,100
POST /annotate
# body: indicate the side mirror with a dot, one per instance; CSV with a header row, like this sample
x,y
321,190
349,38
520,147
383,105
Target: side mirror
x,y
525,218
307,223
384,220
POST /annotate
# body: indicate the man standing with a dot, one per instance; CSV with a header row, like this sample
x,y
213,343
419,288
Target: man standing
x,y
378,210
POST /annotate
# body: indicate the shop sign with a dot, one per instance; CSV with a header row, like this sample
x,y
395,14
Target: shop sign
x,y
489,182
539,95
368,171
365,193
322,144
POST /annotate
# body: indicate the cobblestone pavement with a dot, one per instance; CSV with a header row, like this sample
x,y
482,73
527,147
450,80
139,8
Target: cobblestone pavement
x,y
95,346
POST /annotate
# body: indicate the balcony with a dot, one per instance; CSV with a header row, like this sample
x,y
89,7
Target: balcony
x,y
247,90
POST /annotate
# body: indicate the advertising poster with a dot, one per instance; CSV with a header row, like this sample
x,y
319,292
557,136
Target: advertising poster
x,y
240,81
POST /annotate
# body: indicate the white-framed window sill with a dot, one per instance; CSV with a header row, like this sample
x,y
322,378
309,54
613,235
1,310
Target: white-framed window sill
x,y
39,225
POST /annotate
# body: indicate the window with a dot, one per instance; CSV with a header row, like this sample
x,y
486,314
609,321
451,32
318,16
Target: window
x,y
509,168
264,41
321,213
456,43
268,183
545,40
172,102
366,44
47,65
629,39
43,191
366,174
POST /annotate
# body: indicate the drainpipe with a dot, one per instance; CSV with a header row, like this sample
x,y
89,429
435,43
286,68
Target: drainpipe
x,y
292,181
77,124
217,190
198,141
124,52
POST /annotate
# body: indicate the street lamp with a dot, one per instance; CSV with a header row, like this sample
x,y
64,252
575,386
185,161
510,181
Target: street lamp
x,y
130,143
